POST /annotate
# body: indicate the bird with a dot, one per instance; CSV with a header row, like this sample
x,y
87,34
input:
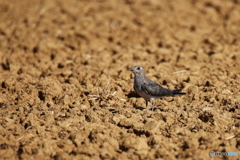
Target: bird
x,y
149,89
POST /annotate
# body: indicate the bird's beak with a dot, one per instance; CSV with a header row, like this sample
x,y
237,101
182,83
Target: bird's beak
x,y
130,69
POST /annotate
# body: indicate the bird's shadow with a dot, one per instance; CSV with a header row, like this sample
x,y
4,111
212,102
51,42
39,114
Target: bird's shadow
x,y
135,95
132,94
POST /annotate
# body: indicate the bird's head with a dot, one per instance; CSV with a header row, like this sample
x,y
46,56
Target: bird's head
x,y
137,70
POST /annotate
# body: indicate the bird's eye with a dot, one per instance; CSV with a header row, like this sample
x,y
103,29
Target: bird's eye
x,y
138,68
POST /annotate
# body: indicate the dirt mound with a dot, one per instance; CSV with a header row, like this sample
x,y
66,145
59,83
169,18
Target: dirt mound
x,y
66,92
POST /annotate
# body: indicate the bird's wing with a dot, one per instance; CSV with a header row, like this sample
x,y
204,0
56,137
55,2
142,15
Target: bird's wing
x,y
154,89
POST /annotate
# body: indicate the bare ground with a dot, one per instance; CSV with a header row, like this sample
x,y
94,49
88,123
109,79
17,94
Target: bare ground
x,y
66,92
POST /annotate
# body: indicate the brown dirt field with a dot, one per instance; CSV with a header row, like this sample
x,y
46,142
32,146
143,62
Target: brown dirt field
x,y
66,92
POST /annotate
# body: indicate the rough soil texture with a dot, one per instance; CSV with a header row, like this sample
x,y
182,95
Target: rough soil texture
x,y
66,92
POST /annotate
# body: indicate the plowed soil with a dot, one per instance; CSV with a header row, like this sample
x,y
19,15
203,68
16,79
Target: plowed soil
x,y
66,92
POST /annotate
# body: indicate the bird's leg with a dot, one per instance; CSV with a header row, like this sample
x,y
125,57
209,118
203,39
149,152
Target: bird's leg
x,y
145,114
152,104
146,103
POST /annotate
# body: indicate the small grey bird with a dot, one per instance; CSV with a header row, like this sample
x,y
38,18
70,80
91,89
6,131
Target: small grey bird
x,y
149,89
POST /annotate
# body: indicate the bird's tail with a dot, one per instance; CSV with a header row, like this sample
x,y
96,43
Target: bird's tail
x,y
178,92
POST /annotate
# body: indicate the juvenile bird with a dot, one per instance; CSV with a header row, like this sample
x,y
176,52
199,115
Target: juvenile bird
x,y
149,89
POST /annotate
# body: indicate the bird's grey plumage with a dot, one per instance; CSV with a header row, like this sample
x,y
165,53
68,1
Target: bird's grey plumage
x,y
149,89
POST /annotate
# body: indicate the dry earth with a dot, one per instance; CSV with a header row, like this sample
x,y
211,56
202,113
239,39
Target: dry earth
x,y
66,92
